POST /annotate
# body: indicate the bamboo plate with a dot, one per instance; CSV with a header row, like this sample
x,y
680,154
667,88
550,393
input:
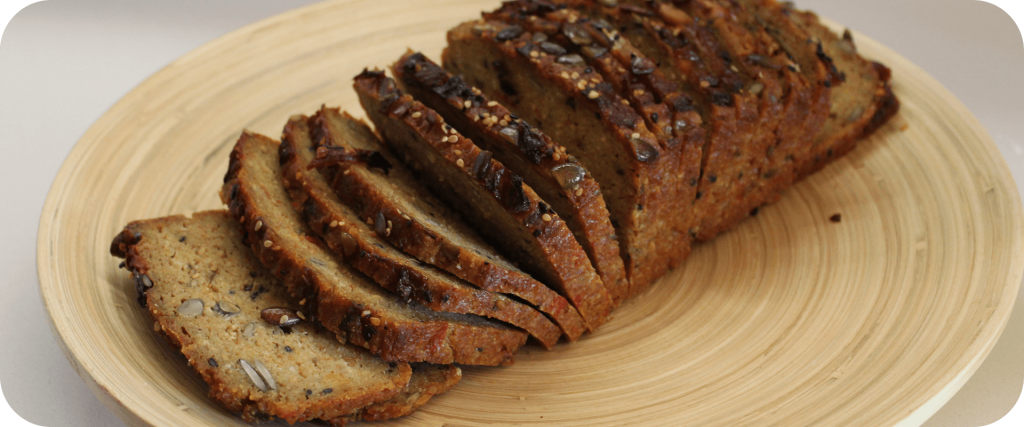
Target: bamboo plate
x,y
790,319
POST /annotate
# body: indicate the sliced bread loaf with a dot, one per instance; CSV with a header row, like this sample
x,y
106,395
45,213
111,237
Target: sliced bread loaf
x,y
362,248
426,382
384,191
211,298
544,164
490,196
342,299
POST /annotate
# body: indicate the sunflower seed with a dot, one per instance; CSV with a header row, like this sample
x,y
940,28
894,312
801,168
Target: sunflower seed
x,y
191,308
253,376
249,330
569,174
226,308
265,373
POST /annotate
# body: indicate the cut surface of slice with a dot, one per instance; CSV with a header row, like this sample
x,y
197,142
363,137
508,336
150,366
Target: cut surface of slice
x,y
544,165
346,302
491,197
421,224
210,297
364,249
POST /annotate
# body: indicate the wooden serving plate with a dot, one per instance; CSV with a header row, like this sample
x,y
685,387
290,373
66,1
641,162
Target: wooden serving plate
x,y
790,319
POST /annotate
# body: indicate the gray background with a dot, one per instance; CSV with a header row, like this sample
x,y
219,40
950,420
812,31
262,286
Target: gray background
x,y
63,63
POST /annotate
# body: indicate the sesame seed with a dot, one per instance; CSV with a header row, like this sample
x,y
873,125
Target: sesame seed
x,y
593,94
638,92
460,163
375,321
303,302
284,319
416,115
575,75
301,316
406,217
267,243
468,103
389,223
366,313
555,156
595,80
457,153
387,232
534,54
503,123
334,224
635,135
579,191
546,218
581,85
624,102
704,84
492,103
507,118
565,75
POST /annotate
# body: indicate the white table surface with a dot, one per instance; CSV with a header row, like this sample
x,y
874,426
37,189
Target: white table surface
x,y
64,63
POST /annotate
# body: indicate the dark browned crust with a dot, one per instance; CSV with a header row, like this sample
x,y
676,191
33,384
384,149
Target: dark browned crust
x,y
577,199
643,205
667,111
393,339
127,245
352,240
429,243
569,270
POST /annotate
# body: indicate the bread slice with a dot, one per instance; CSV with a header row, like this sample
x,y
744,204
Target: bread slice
x,y
208,294
421,225
860,104
344,301
360,246
577,108
490,196
667,112
543,163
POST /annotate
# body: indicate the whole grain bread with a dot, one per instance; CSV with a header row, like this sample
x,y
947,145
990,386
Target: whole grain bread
x,y
209,296
363,248
576,107
344,301
558,178
421,224
491,197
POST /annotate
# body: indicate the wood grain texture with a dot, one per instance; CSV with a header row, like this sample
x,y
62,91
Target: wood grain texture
x,y
790,319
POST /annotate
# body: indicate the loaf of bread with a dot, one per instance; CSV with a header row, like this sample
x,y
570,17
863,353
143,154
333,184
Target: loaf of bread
x,y
566,155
